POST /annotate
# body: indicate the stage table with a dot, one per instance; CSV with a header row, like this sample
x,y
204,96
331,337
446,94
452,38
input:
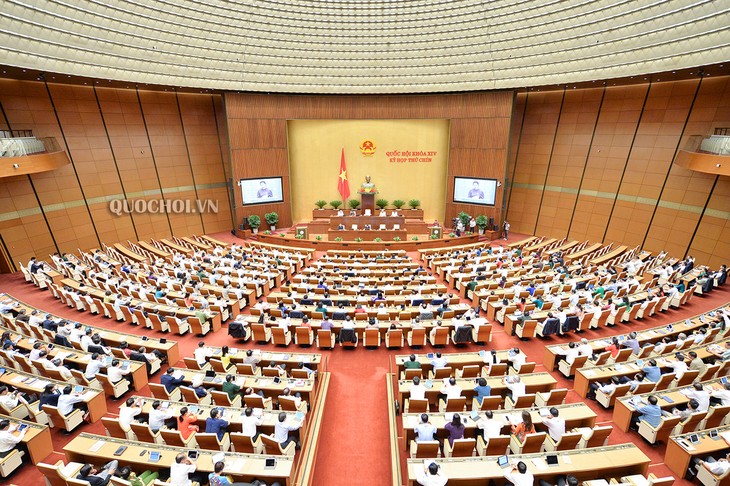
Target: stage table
x,y
367,235
361,221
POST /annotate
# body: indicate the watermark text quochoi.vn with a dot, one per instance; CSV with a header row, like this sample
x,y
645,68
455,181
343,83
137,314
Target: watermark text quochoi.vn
x,y
163,206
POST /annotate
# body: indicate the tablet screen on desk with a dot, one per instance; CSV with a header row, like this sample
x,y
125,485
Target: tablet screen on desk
x,y
154,456
270,463
552,460
503,461
694,438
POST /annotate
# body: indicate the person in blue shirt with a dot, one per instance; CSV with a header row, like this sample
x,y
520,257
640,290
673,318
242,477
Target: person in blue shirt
x,y
170,382
215,425
482,390
652,371
651,413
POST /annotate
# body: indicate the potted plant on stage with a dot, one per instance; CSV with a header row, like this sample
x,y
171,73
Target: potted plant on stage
x,y
464,218
272,218
254,222
381,203
399,203
335,204
354,203
482,223
414,203
321,204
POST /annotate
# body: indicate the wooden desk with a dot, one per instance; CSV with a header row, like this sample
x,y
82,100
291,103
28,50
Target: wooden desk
x,y
454,360
585,376
539,246
243,467
93,398
183,250
678,457
361,221
264,383
154,307
155,251
367,235
233,415
135,257
580,254
609,256
521,243
620,460
37,439
534,382
114,338
653,335
80,358
623,411
311,360
575,415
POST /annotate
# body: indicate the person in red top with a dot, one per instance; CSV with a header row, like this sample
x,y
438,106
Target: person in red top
x,y
360,310
523,428
186,423
613,347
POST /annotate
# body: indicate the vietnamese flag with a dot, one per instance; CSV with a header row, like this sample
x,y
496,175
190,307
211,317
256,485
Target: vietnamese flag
x,y
343,186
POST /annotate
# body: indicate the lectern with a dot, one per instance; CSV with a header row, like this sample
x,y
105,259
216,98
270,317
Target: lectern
x,y
302,233
367,201
436,232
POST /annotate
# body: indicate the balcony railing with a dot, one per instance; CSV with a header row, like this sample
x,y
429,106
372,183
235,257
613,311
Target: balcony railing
x,y
19,146
714,144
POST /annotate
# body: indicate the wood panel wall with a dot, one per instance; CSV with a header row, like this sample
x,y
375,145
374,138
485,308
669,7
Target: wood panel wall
x,y
597,164
479,139
123,144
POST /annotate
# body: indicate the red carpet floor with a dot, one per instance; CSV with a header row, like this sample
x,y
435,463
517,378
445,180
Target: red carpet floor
x,y
354,445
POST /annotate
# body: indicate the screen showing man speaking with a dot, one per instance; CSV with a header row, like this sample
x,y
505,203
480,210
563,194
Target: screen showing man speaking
x,y
475,191
261,191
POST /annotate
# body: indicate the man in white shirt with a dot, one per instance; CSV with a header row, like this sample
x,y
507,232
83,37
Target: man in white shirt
x,y
679,366
722,396
417,390
425,430
9,399
430,475
515,386
86,340
491,426
95,365
702,396
518,475
719,467
67,400
115,372
202,353
451,389
157,417
249,422
554,424
282,428
571,353
516,358
8,441
58,365
127,413
439,361
181,469
584,348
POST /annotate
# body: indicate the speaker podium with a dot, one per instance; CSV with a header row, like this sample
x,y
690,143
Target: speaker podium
x,y
302,233
367,201
436,232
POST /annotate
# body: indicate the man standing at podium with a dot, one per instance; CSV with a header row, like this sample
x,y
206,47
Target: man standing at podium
x,y
367,187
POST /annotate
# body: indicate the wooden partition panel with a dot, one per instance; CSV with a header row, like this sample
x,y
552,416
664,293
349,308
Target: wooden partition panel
x,y
630,191
122,146
480,125
542,113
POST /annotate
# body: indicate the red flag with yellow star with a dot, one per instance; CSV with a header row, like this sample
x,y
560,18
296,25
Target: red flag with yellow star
x,y
343,186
